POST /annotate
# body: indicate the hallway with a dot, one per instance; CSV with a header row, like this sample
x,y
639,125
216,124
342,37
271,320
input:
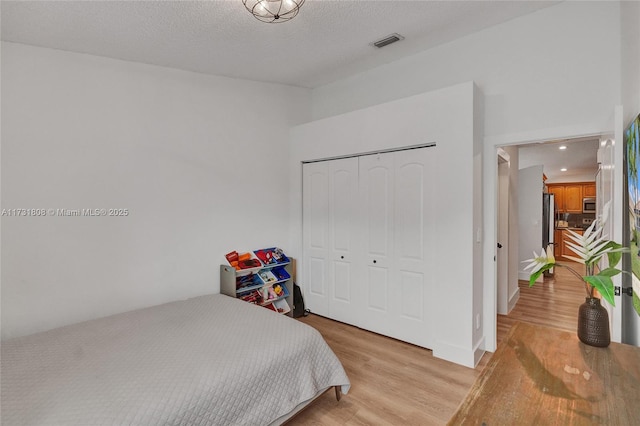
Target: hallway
x,y
552,303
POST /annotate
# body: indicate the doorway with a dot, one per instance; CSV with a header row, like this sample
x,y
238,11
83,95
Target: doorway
x,y
525,156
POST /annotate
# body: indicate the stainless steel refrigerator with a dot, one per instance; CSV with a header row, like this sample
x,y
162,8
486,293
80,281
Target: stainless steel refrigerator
x,y
548,221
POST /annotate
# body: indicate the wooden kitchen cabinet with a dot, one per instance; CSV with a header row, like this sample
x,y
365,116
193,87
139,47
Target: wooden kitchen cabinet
x,y
558,192
568,196
589,190
573,198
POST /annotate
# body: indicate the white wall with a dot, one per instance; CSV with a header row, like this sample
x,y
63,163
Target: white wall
x,y
543,70
446,117
200,162
478,219
530,215
578,177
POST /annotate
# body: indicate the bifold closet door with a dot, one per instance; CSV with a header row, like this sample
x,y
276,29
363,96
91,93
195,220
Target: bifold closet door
x,y
396,193
368,246
330,195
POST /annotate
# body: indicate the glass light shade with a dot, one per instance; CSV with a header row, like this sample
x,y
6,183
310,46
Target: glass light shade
x,y
273,11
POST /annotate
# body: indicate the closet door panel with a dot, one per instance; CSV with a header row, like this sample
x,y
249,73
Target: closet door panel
x,y
342,283
376,184
344,188
375,315
343,211
378,289
376,201
317,281
410,211
411,292
377,178
317,208
414,255
315,235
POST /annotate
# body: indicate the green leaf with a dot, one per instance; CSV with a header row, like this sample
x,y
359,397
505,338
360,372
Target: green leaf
x,y
610,272
535,275
604,285
616,253
614,257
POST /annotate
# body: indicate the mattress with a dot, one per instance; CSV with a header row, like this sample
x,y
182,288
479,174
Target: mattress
x,y
210,360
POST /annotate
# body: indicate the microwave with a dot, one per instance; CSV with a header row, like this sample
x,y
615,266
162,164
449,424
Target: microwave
x,y
588,205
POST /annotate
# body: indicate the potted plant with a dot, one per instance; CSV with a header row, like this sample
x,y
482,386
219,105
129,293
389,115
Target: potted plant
x,y
593,319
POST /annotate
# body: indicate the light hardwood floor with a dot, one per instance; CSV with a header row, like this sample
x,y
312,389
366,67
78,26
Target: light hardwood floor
x,y
396,383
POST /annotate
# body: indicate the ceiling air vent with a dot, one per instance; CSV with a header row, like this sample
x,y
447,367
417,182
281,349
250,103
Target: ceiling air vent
x,y
388,40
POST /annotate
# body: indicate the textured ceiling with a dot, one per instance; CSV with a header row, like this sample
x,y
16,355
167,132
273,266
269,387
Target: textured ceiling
x,y
579,158
328,40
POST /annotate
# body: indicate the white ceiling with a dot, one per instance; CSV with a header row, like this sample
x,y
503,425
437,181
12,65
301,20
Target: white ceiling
x,y
327,41
580,158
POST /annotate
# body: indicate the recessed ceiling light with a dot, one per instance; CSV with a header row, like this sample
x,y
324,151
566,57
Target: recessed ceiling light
x,y
562,147
564,169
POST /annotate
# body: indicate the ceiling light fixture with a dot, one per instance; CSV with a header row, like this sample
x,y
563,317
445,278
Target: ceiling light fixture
x,y
562,147
273,11
564,169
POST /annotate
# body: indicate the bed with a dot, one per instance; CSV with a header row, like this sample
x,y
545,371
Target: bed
x,y
210,360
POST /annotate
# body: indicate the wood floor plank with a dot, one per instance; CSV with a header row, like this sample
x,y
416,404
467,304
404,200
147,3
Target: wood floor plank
x,y
394,382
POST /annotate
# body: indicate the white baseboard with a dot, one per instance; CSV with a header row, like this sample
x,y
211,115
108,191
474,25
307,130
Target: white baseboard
x,y
457,354
513,299
478,352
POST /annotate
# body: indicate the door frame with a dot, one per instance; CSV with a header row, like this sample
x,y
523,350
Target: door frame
x,y
502,253
490,214
618,212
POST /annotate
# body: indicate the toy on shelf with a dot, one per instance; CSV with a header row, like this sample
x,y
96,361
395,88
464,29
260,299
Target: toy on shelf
x,y
254,297
276,292
247,281
272,256
277,289
242,261
280,273
267,276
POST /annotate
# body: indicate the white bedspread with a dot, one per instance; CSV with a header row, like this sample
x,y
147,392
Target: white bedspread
x,y
211,360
